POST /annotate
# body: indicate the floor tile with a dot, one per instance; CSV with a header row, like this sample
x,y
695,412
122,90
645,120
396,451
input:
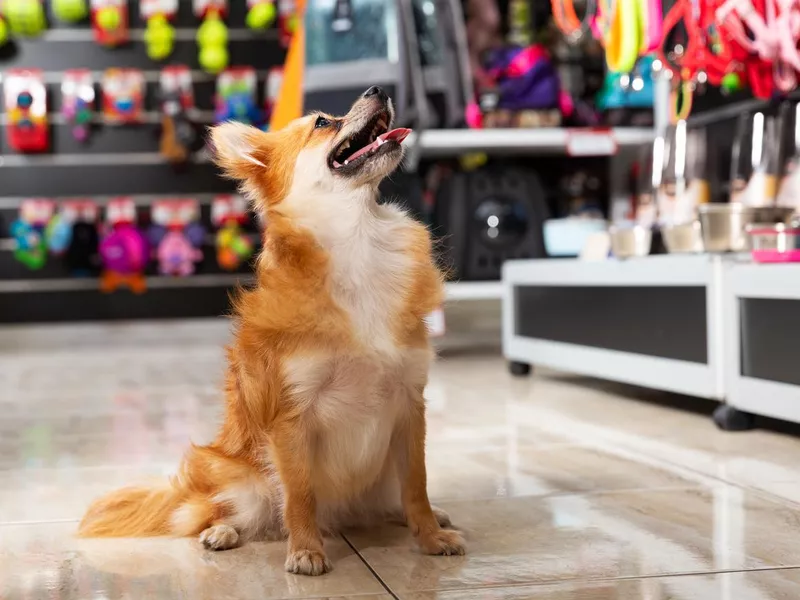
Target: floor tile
x,y
782,584
520,470
44,560
480,401
603,535
556,479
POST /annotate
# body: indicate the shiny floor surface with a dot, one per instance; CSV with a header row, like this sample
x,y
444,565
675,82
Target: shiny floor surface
x,y
565,488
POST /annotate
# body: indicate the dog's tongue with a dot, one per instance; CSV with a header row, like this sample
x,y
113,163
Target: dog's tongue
x,y
395,135
398,135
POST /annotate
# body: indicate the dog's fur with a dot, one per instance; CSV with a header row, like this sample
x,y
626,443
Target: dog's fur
x,y
324,425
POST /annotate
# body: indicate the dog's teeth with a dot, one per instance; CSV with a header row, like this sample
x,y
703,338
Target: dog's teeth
x,y
382,124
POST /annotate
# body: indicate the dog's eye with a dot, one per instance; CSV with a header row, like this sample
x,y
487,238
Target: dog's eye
x,y
321,122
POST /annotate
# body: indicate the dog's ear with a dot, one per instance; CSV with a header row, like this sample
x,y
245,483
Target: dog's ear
x,y
241,151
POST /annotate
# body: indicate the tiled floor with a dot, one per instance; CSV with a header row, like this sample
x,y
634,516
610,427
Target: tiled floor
x,y
566,489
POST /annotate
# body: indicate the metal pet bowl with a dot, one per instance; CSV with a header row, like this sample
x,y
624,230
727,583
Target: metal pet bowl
x,y
627,242
685,238
724,225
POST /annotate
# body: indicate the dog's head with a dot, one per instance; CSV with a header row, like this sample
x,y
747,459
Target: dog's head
x,y
316,154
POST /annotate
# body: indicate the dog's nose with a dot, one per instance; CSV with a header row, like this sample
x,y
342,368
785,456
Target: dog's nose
x,y
376,91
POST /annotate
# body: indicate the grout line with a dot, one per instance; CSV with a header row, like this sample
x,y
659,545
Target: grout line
x,y
565,493
562,582
369,566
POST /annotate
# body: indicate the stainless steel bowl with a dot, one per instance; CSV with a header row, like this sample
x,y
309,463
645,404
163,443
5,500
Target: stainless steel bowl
x,y
684,238
627,242
723,225
777,237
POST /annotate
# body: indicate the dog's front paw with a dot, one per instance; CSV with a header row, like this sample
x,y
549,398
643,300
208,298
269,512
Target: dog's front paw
x,y
307,562
219,537
446,542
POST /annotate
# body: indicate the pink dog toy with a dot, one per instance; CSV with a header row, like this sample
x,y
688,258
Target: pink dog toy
x,y
177,255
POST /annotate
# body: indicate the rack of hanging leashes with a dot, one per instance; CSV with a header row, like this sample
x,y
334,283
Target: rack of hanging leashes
x,y
730,44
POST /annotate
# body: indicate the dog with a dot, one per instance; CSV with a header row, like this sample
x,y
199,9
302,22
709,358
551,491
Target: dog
x,y
324,424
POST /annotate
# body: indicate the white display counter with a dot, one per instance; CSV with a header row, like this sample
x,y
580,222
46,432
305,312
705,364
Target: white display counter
x,y
654,321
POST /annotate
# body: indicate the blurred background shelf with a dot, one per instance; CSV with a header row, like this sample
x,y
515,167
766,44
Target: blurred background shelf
x,y
466,290
551,140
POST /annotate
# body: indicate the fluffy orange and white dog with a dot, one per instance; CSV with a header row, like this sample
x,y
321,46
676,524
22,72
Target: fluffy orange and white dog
x,y
324,424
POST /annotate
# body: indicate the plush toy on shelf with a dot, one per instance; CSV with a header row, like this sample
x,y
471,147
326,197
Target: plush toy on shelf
x,y
123,96
110,22
159,34
234,247
29,232
179,134
26,108
123,250
77,102
80,255
236,96
178,236
212,35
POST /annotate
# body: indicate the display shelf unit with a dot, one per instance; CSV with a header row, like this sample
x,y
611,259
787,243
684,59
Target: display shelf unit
x,y
551,140
455,290
654,321
201,295
762,312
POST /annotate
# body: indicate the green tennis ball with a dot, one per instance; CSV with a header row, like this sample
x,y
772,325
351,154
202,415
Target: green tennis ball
x,y
213,59
109,18
261,16
25,17
159,50
159,38
3,32
212,32
70,11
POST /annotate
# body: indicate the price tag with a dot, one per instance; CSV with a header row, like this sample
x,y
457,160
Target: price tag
x,y
591,142
435,323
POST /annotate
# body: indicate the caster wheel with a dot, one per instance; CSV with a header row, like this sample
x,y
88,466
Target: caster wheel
x,y
729,418
519,369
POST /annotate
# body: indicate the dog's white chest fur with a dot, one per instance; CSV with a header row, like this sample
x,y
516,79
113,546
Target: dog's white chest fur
x,y
355,399
370,269
355,402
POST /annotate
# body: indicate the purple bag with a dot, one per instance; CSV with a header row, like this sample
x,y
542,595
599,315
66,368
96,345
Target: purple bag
x,y
525,78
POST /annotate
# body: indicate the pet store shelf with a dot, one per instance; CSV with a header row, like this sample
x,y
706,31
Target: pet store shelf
x,y
479,290
22,286
552,140
654,321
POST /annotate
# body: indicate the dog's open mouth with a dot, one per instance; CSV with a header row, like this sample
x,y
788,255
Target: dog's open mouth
x,y
367,142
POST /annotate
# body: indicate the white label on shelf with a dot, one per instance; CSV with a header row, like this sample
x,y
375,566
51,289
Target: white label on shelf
x,y
435,323
591,142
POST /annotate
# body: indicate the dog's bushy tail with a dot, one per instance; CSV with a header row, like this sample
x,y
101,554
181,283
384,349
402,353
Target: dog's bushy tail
x,y
145,511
